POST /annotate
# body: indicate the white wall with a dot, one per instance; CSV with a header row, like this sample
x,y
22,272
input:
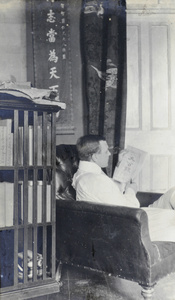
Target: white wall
x,y
13,55
151,89
12,40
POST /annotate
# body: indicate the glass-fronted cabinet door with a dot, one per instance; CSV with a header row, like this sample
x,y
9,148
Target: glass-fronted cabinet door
x,y
27,200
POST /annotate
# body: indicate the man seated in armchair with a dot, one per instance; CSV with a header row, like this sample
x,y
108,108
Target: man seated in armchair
x,y
92,184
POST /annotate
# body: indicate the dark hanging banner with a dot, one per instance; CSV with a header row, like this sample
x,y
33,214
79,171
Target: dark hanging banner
x,y
50,28
103,48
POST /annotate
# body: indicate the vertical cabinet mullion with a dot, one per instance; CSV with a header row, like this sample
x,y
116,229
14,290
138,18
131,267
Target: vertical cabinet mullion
x,y
25,197
44,193
15,155
53,204
35,179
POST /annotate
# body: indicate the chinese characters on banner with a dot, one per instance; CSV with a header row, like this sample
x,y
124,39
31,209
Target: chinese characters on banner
x,y
52,61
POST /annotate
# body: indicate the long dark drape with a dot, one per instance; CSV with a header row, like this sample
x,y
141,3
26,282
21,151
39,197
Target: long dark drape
x,y
103,48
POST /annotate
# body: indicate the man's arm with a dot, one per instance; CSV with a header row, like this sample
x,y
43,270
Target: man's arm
x,y
102,189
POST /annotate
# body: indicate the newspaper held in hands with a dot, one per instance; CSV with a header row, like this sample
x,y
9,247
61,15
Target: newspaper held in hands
x,y
130,165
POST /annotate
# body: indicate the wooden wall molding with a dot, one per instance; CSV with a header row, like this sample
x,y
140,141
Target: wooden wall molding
x,y
147,7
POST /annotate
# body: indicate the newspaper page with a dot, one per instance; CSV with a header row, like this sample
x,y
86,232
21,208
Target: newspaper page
x,y
130,165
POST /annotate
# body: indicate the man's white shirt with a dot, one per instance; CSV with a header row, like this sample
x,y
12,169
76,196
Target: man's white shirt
x,y
92,184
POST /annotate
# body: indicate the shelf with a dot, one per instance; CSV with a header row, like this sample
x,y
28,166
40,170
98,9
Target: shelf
x,y
38,167
27,194
31,292
9,105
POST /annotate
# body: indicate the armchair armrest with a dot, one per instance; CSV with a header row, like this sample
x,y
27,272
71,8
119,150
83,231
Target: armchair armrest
x,y
111,239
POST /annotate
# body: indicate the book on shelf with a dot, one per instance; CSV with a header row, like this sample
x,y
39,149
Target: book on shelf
x,y
20,145
20,201
30,202
9,153
44,152
39,201
49,144
2,204
6,144
9,203
39,146
48,203
31,144
130,164
3,145
6,204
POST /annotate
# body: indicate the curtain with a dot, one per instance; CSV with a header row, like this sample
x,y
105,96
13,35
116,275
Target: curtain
x,y
103,49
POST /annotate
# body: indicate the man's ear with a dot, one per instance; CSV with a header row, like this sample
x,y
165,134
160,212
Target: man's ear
x,y
94,157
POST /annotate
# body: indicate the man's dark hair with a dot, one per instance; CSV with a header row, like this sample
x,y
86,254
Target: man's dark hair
x,y
87,145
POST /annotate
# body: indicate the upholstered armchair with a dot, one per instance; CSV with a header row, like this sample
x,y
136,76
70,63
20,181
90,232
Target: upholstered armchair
x,y
113,240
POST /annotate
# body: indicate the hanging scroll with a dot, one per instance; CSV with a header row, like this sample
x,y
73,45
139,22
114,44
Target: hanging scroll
x,y
51,54
103,46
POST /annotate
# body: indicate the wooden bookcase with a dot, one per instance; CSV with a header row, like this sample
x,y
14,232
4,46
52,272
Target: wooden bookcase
x,y
27,199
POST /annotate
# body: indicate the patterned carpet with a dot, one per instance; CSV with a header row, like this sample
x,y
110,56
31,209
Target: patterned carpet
x,y
86,285
78,284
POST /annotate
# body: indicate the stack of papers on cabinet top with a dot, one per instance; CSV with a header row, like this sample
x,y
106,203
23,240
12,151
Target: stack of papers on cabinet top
x,y
38,96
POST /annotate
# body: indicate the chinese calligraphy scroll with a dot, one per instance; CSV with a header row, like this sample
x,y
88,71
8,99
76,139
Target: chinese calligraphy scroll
x,y
51,54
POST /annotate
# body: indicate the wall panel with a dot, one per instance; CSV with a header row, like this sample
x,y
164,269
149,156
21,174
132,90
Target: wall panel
x,y
159,172
133,79
151,70
159,77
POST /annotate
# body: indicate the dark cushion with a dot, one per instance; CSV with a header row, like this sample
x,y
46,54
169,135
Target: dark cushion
x,y
147,198
66,166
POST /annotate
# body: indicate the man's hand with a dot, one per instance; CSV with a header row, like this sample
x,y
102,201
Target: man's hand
x,y
120,185
131,185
